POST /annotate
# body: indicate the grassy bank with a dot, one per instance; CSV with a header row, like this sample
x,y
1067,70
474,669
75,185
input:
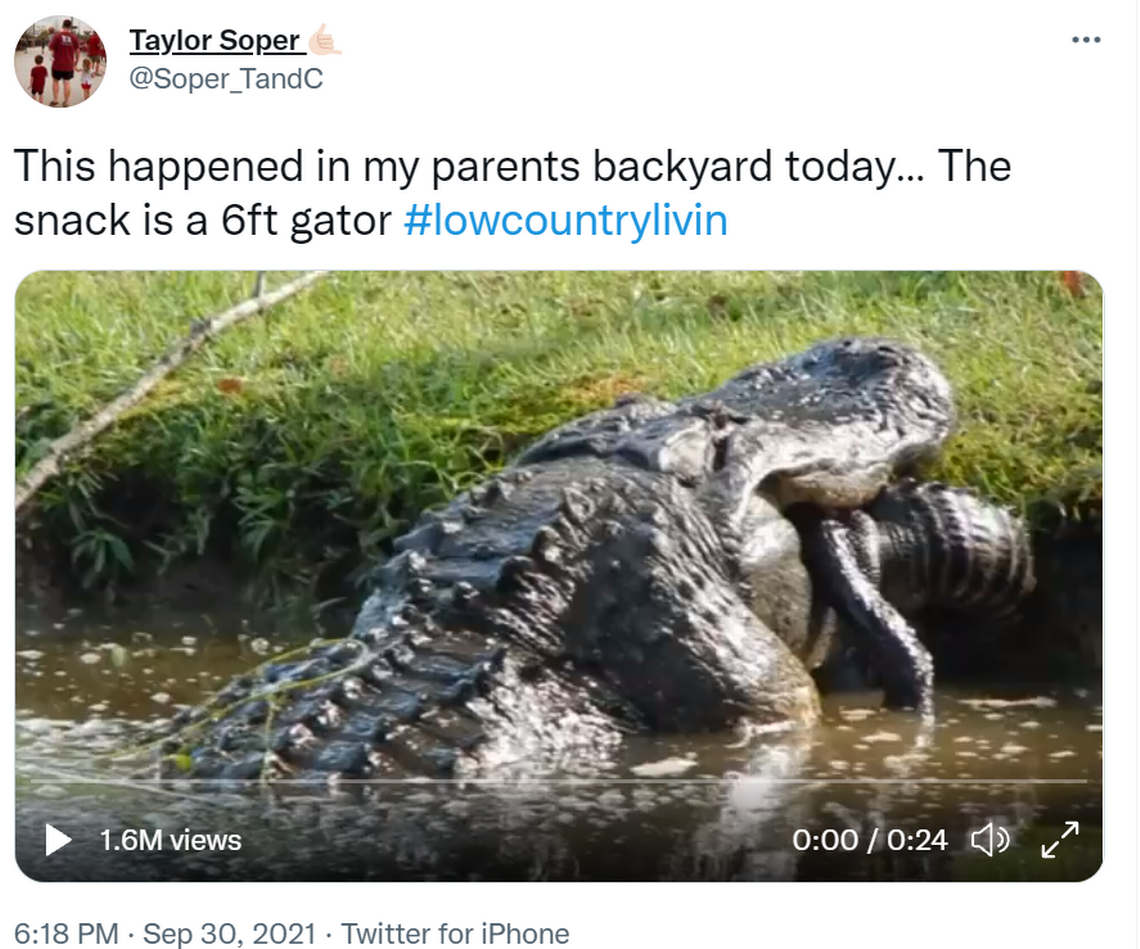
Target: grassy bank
x,y
297,444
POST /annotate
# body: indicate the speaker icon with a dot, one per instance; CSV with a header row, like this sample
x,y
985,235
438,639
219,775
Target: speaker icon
x,y
984,839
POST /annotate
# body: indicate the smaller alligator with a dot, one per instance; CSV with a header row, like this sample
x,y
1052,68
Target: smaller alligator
x,y
917,547
640,569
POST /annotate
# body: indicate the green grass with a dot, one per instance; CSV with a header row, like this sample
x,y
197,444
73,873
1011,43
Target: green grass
x,y
298,443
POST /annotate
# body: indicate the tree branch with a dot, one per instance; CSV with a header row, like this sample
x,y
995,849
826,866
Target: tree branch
x,y
201,332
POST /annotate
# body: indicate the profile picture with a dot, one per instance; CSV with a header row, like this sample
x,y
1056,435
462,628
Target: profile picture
x,y
60,61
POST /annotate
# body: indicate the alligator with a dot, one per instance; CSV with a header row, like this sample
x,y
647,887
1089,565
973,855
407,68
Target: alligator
x,y
664,566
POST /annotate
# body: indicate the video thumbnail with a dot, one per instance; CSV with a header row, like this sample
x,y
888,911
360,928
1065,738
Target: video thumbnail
x,y
555,576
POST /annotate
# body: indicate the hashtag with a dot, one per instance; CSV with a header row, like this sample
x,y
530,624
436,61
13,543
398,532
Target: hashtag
x,y
417,218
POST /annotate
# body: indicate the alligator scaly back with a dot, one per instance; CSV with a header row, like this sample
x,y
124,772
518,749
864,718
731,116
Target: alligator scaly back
x,y
529,623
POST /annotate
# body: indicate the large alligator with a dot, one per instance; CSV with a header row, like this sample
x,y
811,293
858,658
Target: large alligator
x,y
656,565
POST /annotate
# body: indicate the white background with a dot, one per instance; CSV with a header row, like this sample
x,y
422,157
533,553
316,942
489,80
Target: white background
x,y
519,79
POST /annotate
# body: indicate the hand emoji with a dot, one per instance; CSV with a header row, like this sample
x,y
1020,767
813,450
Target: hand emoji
x,y
322,44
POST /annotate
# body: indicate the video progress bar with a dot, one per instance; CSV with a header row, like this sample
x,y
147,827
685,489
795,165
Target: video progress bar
x,y
152,784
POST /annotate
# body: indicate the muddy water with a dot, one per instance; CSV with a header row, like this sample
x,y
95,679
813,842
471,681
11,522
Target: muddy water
x,y
868,794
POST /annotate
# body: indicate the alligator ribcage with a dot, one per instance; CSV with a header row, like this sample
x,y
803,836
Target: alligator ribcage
x,y
944,547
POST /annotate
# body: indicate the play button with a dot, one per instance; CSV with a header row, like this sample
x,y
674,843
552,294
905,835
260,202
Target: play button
x,y
54,839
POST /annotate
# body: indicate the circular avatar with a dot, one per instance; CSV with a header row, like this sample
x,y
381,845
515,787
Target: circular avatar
x,y
60,61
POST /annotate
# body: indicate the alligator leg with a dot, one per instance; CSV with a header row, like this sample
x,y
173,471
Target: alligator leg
x,y
844,562
918,546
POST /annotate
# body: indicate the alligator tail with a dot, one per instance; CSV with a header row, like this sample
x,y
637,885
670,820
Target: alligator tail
x,y
392,702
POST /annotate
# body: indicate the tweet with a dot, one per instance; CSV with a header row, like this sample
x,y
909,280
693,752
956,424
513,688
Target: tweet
x,y
464,448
